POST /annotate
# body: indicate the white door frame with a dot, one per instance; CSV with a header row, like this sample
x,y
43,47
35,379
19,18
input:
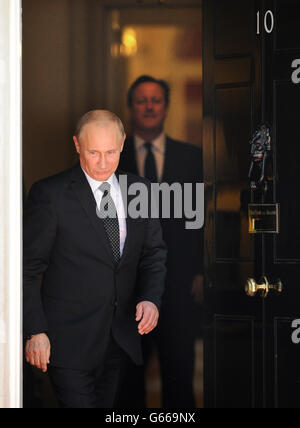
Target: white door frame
x,y
10,205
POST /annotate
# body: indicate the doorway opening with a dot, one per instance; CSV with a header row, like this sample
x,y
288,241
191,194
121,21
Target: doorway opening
x,y
99,50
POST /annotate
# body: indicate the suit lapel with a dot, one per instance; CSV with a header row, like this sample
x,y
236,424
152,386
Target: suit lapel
x,y
86,198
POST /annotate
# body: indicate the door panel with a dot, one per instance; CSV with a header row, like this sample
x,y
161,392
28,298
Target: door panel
x,y
231,322
286,36
229,330
283,251
231,102
284,357
286,135
250,359
232,14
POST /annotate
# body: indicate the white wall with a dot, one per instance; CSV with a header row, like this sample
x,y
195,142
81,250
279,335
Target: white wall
x,y
10,204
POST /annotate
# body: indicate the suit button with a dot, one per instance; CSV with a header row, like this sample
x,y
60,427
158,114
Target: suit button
x,y
116,304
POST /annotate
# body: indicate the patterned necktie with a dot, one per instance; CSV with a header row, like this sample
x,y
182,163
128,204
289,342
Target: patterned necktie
x,y
109,216
150,171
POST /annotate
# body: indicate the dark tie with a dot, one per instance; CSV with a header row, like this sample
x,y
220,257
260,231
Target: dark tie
x,y
150,170
109,216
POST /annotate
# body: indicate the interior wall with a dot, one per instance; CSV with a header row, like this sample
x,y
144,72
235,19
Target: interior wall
x,y
62,79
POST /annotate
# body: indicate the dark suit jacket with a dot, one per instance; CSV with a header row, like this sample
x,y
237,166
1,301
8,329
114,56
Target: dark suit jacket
x,y
183,164
84,296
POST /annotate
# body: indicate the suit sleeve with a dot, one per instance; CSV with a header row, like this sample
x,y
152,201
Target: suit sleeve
x,y
39,232
152,266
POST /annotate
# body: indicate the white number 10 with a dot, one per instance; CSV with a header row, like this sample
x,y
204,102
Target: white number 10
x,y
268,22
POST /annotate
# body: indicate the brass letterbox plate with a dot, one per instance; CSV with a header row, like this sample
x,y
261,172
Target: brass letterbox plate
x,y
263,218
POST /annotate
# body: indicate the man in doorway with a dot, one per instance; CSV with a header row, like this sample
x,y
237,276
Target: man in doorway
x,y
86,319
152,154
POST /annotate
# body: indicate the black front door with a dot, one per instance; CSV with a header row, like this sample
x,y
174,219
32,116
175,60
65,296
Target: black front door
x,y
251,77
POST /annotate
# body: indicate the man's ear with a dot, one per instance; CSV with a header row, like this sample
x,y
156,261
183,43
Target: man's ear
x,y
77,145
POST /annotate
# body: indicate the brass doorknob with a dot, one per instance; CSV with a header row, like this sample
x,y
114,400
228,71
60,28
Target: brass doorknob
x,y
252,287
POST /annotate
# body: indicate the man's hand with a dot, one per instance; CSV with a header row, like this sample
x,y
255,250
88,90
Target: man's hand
x,y
147,314
37,351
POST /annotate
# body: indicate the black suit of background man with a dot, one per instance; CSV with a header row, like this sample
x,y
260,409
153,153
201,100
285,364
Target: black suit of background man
x,y
179,320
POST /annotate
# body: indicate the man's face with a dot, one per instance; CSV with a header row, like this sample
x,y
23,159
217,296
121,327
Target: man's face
x,y
149,109
99,148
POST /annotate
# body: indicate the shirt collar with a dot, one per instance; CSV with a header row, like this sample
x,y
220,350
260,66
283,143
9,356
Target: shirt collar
x,y
112,180
159,143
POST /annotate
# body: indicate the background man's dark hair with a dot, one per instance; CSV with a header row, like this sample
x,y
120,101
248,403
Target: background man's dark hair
x,y
146,79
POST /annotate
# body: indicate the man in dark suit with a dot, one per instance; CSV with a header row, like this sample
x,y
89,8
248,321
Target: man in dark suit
x,y
103,276
151,153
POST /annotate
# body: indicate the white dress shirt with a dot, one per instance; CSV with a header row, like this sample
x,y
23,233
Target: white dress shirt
x,y
158,149
116,195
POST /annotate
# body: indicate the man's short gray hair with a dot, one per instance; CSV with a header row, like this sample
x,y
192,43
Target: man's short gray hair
x,y
101,117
